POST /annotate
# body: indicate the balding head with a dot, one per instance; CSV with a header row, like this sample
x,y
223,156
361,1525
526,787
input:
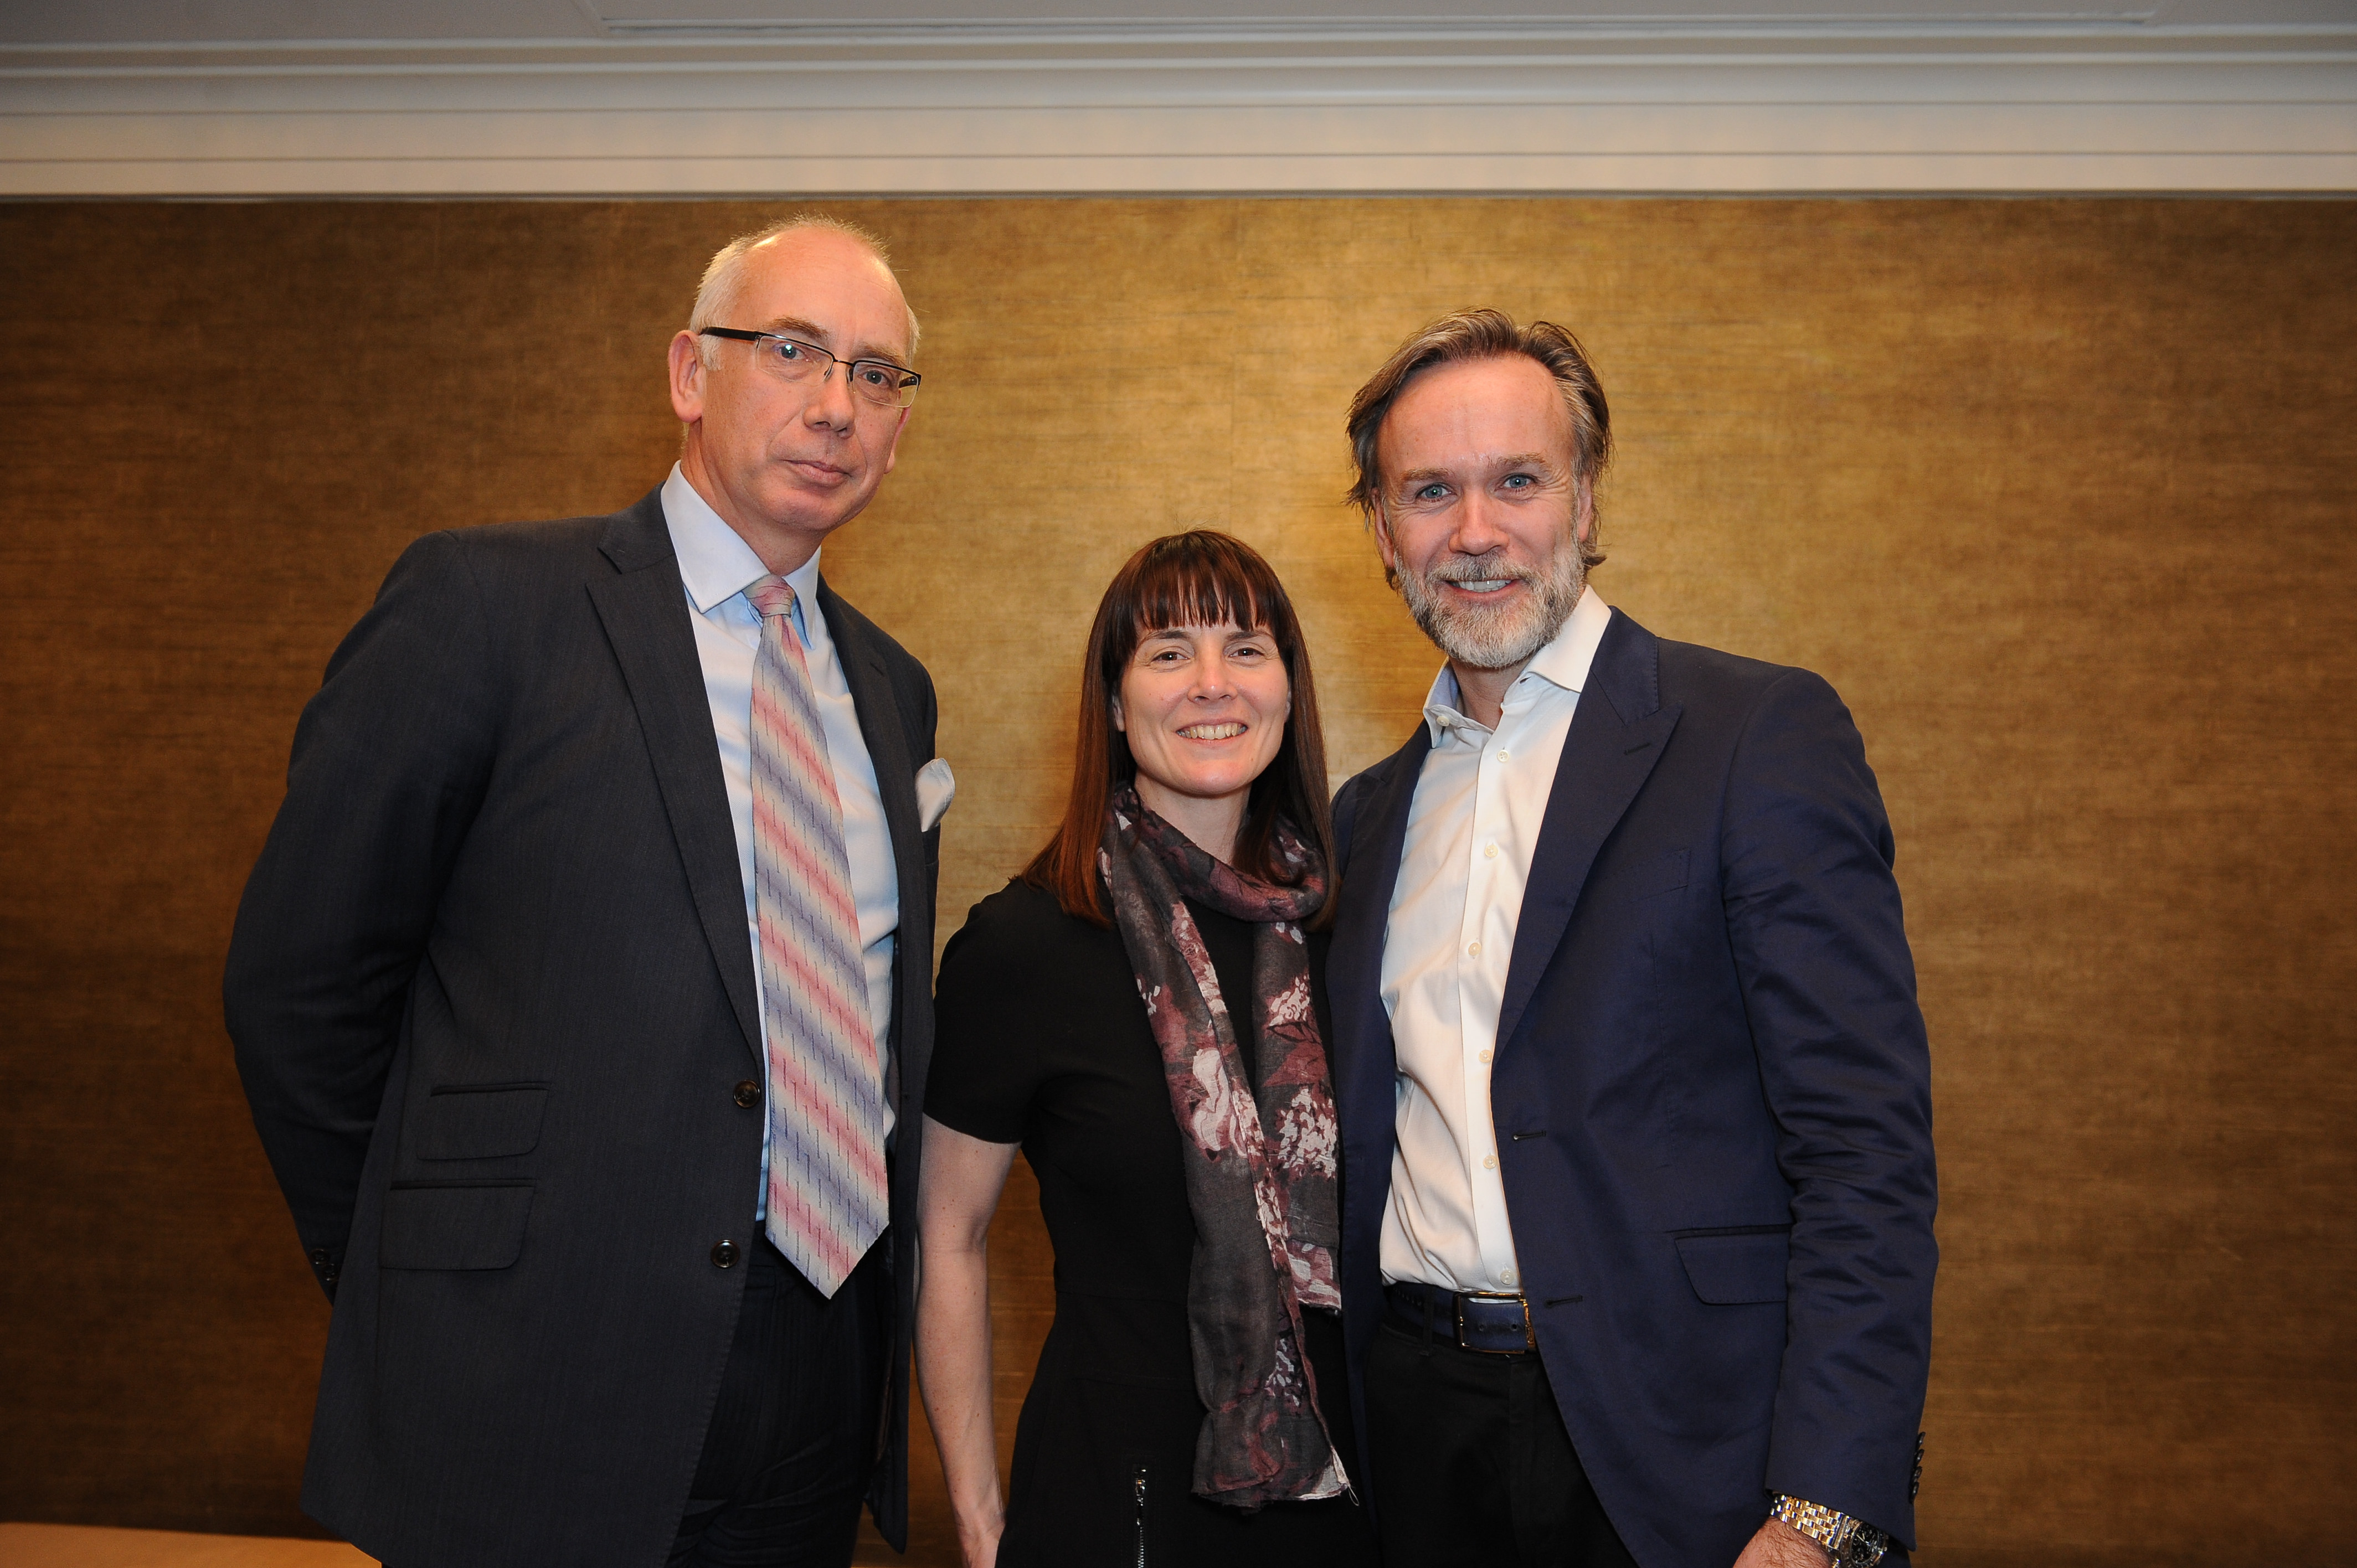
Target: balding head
x,y
786,455
805,236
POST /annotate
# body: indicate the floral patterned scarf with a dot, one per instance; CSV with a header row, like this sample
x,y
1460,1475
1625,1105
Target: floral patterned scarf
x,y
1259,1140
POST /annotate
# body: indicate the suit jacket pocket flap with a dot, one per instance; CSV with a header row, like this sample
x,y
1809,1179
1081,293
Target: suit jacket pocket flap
x,y
454,1225
479,1121
1665,872
1728,1270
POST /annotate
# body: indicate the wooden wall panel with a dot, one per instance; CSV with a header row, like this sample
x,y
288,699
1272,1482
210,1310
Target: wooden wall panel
x,y
2058,494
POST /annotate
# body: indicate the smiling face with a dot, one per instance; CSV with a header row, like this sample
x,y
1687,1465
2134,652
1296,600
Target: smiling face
x,y
787,465
1203,708
1479,511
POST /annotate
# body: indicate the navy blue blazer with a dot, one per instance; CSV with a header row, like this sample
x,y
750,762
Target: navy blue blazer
x,y
1711,1093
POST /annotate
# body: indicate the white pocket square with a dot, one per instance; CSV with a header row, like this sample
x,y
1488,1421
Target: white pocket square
x,y
936,788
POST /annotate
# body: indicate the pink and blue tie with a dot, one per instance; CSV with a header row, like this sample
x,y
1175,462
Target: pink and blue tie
x,y
828,1195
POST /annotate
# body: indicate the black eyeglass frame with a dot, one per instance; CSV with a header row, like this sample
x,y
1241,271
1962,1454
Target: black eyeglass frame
x,y
904,390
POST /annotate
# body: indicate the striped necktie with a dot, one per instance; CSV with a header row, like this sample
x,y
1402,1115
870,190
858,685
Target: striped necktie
x,y
828,1198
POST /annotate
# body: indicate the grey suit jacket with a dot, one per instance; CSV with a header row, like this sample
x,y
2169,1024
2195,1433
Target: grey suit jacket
x,y
491,994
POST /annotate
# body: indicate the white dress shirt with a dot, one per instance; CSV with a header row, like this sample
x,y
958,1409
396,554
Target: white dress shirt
x,y
717,566
1472,827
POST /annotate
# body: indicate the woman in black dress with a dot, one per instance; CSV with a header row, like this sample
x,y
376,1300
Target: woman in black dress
x,y
1142,1014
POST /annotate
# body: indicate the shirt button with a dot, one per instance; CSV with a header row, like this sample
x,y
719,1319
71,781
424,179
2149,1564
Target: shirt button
x,y
1490,852
1485,1057
1473,950
1503,755
1490,1164
1506,1276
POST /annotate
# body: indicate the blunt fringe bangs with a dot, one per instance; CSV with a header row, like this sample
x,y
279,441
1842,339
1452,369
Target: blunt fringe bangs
x,y
1198,578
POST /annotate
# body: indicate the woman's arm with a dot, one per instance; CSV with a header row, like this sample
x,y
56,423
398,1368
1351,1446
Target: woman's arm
x,y
956,1197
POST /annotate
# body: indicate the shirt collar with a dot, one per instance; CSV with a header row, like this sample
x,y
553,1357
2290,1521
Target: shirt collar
x,y
715,562
1563,663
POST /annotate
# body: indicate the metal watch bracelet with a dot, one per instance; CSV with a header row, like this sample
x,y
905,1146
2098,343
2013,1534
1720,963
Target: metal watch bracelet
x,y
1852,1542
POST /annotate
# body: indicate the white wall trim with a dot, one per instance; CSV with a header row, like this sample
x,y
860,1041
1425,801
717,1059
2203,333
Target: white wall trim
x,y
2098,106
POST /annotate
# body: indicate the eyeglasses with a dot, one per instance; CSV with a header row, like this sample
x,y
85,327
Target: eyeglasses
x,y
795,362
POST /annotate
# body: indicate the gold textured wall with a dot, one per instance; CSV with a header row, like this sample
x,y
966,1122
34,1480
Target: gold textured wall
x,y
2058,494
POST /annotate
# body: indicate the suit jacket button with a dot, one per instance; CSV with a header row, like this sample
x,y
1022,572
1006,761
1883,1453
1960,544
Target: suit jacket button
x,y
318,1257
724,1254
748,1094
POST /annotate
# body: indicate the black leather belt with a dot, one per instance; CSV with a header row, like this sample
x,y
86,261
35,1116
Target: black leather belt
x,y
1491,1322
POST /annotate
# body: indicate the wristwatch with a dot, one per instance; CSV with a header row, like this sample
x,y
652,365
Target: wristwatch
x,y
1853,1543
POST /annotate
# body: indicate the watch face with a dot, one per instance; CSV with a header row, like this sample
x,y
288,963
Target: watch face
x,y
1864,1549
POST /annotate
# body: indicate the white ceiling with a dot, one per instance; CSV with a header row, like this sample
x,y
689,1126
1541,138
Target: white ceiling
x,y
758,97
277,21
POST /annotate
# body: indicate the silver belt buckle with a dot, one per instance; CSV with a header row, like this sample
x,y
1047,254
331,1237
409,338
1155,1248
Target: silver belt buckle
x,y
1530,1335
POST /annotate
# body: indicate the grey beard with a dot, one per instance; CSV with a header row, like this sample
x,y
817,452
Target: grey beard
x,y
1485,637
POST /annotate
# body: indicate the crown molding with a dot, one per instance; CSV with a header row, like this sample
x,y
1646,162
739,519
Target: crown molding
x,y
2105,102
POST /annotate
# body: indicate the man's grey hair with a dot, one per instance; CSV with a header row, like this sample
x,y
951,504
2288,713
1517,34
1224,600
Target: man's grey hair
x,y
724,281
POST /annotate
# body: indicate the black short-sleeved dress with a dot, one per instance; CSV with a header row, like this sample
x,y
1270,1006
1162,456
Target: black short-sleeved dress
x,y
1041,1039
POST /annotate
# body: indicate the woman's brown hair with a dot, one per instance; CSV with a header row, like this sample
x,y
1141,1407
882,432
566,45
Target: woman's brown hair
x,y
1198,578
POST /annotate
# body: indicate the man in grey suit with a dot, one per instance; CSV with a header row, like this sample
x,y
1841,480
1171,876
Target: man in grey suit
x,y
582,991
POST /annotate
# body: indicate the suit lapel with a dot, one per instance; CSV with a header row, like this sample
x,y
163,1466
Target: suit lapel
x,y
896,782
1617,735
1364,1062
887,740
644,608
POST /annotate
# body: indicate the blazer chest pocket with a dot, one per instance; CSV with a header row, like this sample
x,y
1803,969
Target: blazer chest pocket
x,y
1664,873
454,1225
479,1121
1732,1268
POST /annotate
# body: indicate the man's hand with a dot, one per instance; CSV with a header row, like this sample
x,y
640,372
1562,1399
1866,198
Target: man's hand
x,y
1778,1545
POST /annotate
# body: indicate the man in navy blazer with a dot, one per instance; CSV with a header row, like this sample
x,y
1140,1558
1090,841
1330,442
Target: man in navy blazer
x,y
497,1009
1638,1183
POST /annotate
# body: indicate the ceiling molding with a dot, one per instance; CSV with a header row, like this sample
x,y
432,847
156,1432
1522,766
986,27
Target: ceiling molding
x,y
2098,103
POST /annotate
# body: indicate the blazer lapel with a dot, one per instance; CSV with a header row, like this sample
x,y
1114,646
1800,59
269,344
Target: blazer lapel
x,y
644,607
1364,1060
895,781
1617,735
888,741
